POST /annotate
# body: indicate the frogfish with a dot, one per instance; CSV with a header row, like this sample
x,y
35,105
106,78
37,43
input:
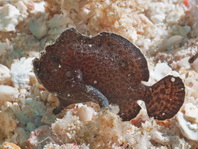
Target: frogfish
x,y
106,69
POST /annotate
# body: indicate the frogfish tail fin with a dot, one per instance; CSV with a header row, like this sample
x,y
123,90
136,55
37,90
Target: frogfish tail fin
x,y
167,96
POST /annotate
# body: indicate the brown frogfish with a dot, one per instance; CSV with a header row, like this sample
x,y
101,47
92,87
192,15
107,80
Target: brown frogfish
x,y
106,69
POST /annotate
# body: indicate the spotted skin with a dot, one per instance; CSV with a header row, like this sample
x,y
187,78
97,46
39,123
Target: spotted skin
x,y
106,69
166,98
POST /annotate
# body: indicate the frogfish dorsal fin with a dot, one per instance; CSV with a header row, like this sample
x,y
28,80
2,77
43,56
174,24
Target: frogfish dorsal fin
x,y
129,56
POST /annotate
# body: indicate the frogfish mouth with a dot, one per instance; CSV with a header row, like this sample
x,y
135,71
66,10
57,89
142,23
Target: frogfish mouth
x,y
106,69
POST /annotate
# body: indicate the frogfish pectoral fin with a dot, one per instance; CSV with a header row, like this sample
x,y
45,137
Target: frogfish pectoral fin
x,y
128,110
167,96
80,93
95,95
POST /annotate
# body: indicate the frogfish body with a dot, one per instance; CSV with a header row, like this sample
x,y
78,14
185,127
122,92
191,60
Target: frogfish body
x,y
107,69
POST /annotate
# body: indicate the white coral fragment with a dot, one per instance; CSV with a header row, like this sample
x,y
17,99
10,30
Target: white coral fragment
x,y
21,7
66,146
38,27
159,138
191,112
85,113
58,23
171,42
161,70
67,126
38,7
188,121
143,142
21,71
9,16
8,93
184,63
